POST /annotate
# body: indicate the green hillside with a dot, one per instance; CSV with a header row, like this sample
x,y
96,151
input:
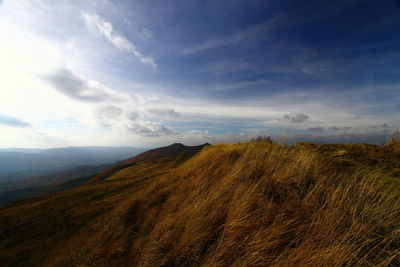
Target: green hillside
x,y
252,204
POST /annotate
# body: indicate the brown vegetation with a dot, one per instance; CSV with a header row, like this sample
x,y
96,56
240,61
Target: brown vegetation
x,y
393,141
253,204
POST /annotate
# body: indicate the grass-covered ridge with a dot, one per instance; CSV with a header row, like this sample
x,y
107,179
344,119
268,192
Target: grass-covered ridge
x,y
252,204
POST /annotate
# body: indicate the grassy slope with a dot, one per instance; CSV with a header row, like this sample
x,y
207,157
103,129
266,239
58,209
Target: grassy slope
x,y
254,204
67,179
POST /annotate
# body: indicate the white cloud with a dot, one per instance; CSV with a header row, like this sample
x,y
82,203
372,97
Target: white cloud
x,y
125,119
96,23
40,38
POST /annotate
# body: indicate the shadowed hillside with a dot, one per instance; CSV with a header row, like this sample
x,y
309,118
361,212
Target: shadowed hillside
x,y
173,150
252,204
167,151
70,178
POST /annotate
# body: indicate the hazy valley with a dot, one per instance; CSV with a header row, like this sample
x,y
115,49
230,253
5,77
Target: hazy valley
x,y
28,172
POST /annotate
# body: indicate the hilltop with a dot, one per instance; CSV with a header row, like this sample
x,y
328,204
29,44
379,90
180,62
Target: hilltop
x,y
174,149
251,204
171,153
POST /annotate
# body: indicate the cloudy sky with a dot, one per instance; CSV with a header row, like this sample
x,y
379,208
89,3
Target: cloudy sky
x,y
149,73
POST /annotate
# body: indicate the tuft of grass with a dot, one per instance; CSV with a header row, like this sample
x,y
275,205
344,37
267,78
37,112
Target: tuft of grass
x,y
252,204
393,142
393,138
262,138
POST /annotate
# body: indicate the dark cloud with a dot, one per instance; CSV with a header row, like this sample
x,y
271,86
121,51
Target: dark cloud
x,y
165,113
12,121
296,117
77,87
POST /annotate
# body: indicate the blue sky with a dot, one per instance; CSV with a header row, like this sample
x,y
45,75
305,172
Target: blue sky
x,y
148,73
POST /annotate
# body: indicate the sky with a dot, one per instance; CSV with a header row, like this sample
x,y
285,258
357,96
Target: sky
x,y
147,73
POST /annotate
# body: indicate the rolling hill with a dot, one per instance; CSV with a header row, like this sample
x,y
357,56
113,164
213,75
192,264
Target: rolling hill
x,y
56,182
251,204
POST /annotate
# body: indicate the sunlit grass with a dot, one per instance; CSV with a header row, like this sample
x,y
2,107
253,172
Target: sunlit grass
x,y
252,204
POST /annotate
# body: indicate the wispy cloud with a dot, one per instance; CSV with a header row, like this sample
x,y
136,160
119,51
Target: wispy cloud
x,y
12,121
234,38
96,23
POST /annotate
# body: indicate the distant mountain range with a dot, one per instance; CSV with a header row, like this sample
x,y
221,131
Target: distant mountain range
x,y
16,189
16,164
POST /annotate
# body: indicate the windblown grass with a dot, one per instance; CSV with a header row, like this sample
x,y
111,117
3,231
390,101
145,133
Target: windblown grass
x,y
393,141
253,204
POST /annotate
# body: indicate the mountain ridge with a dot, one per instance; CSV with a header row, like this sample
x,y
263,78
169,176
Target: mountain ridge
x,y
74,177
166,151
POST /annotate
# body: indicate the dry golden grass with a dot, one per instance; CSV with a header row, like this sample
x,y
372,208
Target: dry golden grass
x,y
393,141
253,204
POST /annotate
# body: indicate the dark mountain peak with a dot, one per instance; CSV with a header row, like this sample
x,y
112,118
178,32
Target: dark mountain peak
x,y
167,151
177,145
